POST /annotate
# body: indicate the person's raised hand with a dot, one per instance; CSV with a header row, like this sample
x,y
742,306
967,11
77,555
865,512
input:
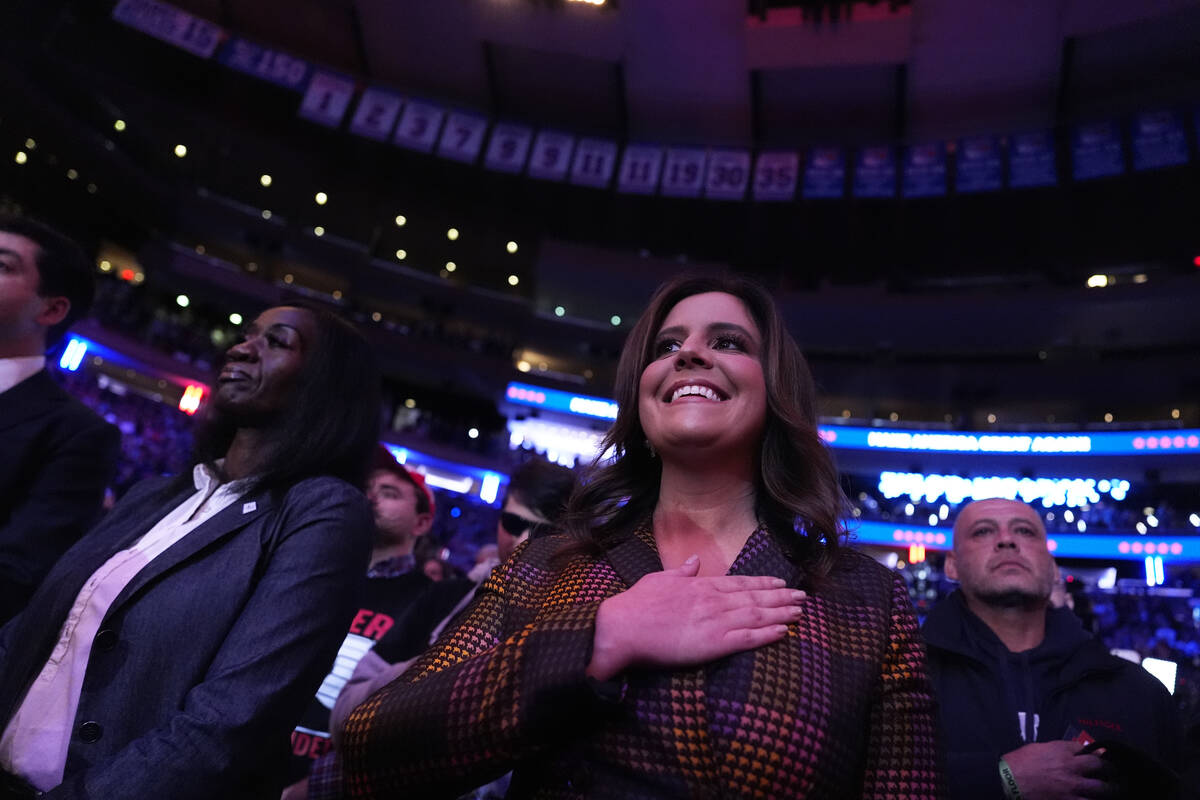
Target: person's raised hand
x,y
675,619
1058,771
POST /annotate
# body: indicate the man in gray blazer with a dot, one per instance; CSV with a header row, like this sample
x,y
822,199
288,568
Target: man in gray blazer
x,y
170,652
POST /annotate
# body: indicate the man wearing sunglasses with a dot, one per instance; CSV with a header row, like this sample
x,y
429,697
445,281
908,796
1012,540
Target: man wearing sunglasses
x,y
536,499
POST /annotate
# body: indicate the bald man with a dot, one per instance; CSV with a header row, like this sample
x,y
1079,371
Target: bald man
x,y
1023,687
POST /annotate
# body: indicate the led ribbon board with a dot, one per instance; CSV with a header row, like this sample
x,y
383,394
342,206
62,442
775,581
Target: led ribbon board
x,y
565,402
1128,547
1048,444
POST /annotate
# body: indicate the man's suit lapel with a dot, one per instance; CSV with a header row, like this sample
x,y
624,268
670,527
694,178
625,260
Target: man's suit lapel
x,y
33,397
237,515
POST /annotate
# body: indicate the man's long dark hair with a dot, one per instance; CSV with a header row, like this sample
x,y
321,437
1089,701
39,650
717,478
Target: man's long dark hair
x,y
331,427
798,495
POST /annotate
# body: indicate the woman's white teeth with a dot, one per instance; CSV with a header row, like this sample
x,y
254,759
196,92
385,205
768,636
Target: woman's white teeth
x,y
702,391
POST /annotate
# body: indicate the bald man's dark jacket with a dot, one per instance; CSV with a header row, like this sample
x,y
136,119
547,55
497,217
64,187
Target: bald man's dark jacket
x,y
993,701
58,459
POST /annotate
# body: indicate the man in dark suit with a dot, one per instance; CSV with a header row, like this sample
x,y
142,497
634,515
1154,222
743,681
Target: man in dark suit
x,y
59,456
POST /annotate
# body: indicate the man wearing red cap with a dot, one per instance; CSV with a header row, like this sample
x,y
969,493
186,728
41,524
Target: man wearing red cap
x,y
403,508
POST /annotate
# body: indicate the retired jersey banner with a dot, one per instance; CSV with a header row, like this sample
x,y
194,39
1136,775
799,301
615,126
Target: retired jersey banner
x,y
1096,151
978,165
683,172
167,23
640,168
875,172
508,147
265,63
924,170
728,175
327,98
419,125
825,173
594,162
1031,160
775,175
551,156
1159,140
376,114
462,137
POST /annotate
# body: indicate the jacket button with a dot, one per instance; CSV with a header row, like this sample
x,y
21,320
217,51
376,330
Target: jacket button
x,y
90,732
105,640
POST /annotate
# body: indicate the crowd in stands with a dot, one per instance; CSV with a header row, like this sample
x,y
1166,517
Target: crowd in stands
x,y
1162,507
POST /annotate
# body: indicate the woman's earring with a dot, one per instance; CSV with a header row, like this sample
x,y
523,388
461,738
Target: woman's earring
x,y
650,448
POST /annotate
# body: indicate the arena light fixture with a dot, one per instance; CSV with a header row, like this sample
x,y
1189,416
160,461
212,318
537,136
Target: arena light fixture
x,y
401,255
321,198
1097,281
401,220
118,125
73,354
560,311
30,144
235,318
318,231
72,174
615,320
451,266
180,150
182,301
513,280
452,234
265,179
21,157
511,247
473,433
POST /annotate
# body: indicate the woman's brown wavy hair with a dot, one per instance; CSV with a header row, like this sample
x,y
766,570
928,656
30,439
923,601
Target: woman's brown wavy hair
x,y
798,494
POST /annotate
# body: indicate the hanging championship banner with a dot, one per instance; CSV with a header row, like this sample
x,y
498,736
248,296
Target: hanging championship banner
x,y
979,165
825,173
775,175
1159,140
551,156
327,98
419,125
462,137
594,163
1096,151
728,175
924,170
376,114
640,167
265,63
168,24
683,172
1031,160
875,172
508,147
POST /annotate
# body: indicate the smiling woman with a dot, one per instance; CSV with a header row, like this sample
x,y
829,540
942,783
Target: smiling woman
x,y
171,651
700,631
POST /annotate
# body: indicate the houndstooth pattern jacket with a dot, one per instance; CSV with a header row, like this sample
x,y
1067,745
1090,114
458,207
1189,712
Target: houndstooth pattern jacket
x,y
840,708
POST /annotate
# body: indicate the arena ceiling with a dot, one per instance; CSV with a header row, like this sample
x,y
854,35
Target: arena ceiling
x,y
709,72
